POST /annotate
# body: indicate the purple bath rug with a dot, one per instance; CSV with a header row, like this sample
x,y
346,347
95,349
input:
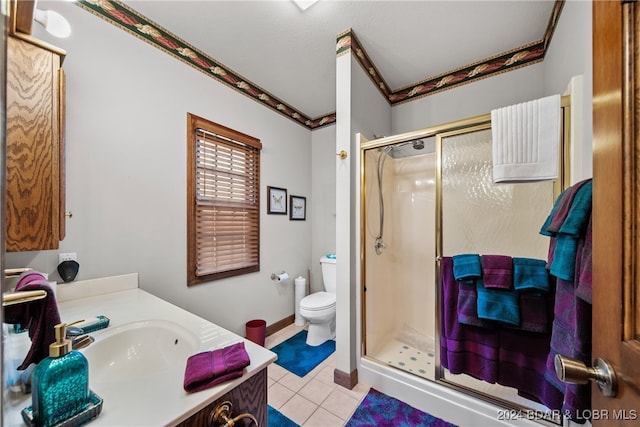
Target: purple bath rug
x,y
379,410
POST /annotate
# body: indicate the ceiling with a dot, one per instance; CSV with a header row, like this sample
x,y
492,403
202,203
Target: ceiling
x,y
291,53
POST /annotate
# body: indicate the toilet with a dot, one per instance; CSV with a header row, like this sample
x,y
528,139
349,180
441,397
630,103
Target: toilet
x,y
319,308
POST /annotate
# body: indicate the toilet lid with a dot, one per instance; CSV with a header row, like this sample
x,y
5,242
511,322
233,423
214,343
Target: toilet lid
x,y
318,301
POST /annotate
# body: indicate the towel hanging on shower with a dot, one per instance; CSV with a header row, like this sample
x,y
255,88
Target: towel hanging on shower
x,y
526,139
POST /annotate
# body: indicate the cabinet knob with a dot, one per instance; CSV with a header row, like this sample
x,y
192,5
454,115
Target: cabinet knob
x,y
68,214
221,416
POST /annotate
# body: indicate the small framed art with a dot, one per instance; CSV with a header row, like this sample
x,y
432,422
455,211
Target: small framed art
x,y
276,200
297,208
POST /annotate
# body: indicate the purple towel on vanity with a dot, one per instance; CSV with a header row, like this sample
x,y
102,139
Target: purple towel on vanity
x,y
210,368
497,271
464,349
38,316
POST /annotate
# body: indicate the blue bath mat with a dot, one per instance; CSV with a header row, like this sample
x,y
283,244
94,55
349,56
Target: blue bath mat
x,y
379,410
276,419
296,356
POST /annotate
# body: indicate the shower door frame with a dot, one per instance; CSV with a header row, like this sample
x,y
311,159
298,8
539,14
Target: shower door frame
x,y
459,127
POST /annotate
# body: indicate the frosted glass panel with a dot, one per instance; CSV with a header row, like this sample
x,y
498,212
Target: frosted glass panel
x,y
481,217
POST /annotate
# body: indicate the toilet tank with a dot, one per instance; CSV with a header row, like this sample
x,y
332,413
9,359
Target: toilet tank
x,y
328,266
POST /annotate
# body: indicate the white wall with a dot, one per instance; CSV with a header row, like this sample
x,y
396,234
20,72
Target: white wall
x,y
360,109
127,105
323,202
570,55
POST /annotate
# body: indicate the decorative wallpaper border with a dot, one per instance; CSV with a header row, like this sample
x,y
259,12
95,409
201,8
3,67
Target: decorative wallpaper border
x,y
516,58
122,16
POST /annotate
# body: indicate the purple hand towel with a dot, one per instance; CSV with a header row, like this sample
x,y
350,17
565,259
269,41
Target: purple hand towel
x,y
497,271
39,316
210,368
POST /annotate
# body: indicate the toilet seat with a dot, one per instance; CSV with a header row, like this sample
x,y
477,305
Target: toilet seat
x,y
318,301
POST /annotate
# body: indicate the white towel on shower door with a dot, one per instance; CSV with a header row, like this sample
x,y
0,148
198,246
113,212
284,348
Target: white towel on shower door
x,y
526,140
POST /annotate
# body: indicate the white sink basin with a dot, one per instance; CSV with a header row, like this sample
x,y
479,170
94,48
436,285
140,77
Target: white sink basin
x,y
139,349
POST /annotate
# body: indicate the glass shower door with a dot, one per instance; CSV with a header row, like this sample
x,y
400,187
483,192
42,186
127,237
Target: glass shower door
x,y
480,217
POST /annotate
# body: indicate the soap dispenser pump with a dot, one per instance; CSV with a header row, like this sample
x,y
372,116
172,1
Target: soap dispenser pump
x,y
60,383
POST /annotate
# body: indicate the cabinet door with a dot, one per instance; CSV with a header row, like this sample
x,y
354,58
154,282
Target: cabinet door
x,y
33,150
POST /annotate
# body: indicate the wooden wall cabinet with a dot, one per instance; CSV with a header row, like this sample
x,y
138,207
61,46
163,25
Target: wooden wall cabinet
x,y
35,210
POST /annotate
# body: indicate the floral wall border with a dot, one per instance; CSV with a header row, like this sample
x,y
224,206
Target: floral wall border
x,y
127,19
529,54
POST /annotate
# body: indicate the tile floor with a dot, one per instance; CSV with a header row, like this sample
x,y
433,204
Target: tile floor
x,y
313,400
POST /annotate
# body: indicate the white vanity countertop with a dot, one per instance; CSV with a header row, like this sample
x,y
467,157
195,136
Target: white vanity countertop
x,y
153,401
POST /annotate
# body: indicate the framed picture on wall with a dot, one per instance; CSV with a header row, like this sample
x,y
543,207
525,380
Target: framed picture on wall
x,y
297,208
276,200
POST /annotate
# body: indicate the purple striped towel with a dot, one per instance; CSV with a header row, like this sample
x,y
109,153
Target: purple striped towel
x,y
497,271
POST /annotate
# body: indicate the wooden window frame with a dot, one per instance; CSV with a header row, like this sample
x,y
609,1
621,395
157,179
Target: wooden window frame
x,y
219,136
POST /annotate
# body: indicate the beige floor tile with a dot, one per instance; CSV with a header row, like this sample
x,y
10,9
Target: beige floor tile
x,y
340,403
298,409
278,395
276,372
294,382
316,391
359,391
323,418
325,375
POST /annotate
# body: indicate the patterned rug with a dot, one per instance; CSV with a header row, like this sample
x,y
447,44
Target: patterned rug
x,y
277,419
296,356
379,410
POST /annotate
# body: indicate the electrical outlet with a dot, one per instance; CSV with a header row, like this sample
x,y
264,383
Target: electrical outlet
x,y
71,256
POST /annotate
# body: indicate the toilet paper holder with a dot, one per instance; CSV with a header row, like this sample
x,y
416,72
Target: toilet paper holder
x,y
279,277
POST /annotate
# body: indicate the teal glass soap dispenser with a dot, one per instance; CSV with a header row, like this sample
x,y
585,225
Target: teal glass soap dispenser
x,y
60,383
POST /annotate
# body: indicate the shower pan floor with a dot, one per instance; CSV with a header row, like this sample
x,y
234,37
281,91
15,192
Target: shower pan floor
x,y
403,356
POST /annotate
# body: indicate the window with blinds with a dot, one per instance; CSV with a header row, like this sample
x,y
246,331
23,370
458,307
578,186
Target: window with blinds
x,y
224,202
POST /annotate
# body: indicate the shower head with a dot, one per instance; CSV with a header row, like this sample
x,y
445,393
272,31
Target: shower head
x,y
411,148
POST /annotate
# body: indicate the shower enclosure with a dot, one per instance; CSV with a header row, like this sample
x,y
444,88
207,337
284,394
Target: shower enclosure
x,y
426,195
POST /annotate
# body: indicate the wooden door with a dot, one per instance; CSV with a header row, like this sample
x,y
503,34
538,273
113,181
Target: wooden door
x,y
616,207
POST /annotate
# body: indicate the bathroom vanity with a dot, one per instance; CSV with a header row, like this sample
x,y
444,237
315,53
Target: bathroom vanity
x,y
136,365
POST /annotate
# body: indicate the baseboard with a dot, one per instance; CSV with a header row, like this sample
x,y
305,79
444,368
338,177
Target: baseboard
x,y
345,380
280,324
